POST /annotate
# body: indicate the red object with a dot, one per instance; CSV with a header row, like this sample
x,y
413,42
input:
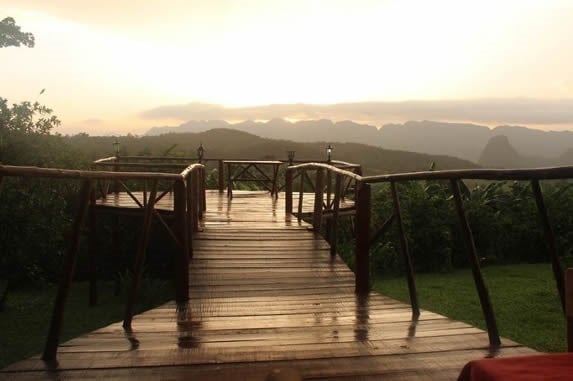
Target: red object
x,y
558,366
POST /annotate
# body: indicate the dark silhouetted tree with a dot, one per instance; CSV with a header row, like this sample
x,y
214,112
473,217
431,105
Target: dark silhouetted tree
x,y
11,35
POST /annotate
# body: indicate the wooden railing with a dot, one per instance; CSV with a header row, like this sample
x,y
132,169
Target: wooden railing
x,y
166,163
188,189
362,234
333,183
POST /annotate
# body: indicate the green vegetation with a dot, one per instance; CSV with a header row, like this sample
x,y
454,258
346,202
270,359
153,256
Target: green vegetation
x,y
524,299
27,314
502,215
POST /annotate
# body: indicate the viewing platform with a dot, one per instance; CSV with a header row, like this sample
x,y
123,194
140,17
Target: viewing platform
x,y
266,294
260,287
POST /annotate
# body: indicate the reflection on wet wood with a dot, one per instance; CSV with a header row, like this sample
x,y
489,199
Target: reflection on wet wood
x,y
264,294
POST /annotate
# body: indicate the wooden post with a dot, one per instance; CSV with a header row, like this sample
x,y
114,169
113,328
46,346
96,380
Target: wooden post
x,y
191,213
181,256
201,189
301,194
549,241
318,199
193,202
288,192
335,211
140,258
229,181
274,187
92,248
221,177
116,254
569,309
405,253
483,294
116,186
362,239
328,189
52,341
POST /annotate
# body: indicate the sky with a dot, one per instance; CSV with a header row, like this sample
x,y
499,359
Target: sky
x,y
124,66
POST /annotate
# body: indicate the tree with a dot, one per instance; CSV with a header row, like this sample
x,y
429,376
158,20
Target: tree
x,y
26,117
11,35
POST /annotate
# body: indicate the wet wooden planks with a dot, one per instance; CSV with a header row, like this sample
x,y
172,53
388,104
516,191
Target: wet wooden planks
x,y
264,294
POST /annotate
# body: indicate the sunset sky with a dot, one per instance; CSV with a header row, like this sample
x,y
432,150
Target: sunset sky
x,y
124,66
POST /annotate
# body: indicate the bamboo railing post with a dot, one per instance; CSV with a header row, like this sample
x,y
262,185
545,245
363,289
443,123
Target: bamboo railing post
x,y
191,214
549,241
140,258
182,254
359,173
405,253
318,200
362,239
483,294
201,188
569,308
116,186
92,248
193,202
300,194
116,253
335,211
288,192
328,189
229,182
221,174
53,338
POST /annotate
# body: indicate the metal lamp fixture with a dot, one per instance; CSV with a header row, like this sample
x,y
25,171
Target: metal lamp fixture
x,y
290,157
116,147
200,152
329,150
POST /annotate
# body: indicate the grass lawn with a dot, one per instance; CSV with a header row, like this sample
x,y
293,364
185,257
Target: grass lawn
x,y
524,299
27,314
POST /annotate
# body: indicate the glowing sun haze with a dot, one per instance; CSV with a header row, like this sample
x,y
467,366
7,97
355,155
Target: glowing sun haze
x,y
105,63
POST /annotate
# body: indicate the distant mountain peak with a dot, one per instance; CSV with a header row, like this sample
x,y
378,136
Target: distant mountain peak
x,y
498,152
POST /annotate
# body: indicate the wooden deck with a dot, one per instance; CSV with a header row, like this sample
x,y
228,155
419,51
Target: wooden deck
x,y
265,294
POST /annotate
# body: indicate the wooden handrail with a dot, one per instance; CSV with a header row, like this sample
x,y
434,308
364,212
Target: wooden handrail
x,y
105,159
141,165
331,168
190,168
10,170
549,173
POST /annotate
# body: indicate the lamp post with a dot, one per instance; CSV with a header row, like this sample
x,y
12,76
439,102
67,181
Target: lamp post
x,y
116,147
329,150
200,152
290,157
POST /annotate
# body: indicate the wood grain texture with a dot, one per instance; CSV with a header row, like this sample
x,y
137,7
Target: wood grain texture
x,y
265,294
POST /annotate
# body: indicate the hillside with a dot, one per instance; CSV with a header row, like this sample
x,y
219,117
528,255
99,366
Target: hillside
x,y
500,153
229,143
463,140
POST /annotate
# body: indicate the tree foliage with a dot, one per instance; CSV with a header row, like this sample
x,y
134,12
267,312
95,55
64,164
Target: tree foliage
x,y
502,215
11,35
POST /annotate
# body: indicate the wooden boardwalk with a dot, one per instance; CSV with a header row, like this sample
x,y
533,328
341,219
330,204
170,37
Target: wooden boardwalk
x,y
265,294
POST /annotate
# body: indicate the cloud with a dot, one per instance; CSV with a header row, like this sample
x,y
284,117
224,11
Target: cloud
x,y
506,111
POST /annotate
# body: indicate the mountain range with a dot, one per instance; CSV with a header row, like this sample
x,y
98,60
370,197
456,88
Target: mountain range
x,y
522,146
